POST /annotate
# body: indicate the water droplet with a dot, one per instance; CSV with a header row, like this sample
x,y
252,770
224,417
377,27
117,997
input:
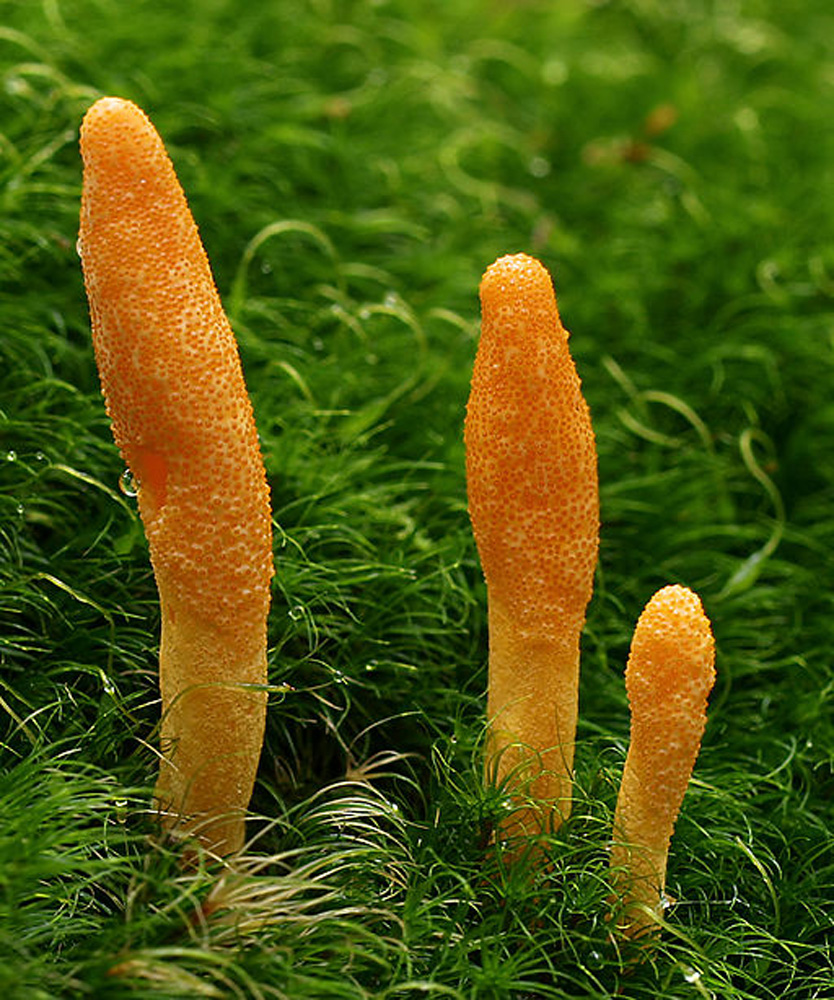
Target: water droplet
x,y
39,456
79,248
20,510
128,484
11,456
539,166
339,677
595,960
691,975
296,612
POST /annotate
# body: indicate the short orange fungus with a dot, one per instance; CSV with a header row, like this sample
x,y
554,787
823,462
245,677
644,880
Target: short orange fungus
x,y
531,470
669,676
183,421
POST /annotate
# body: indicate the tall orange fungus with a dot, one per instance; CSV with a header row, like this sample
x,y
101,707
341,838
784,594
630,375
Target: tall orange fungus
x,y
531,469
183,422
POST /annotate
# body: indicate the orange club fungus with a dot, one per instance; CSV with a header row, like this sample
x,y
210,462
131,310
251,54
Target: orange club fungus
x,y
669,676
531,471
183,422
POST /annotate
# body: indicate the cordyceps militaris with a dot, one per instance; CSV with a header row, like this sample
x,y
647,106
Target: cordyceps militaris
x,y
531,471
183,422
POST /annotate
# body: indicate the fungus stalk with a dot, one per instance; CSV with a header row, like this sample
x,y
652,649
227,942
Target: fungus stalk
x,y
669,676
531,469
183,422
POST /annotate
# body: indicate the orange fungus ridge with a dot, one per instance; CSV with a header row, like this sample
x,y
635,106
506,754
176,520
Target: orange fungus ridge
x,y
531,455
170,371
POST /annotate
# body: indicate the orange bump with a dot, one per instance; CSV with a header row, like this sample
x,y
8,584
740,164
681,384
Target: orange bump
x,y
183,422
531,469
669,676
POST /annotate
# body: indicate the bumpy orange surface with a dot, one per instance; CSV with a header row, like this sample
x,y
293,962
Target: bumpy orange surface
x,y
669,676
182,419
531,470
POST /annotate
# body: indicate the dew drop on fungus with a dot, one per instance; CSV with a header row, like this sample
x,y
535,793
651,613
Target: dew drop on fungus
x,y
128,484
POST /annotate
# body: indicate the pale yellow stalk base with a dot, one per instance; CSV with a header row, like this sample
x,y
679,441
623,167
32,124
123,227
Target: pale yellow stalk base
x,y
643,830
212,727
532,711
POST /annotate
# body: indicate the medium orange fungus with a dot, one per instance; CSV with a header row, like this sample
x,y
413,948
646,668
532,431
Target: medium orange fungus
x,y
183,422
669,676
531,469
